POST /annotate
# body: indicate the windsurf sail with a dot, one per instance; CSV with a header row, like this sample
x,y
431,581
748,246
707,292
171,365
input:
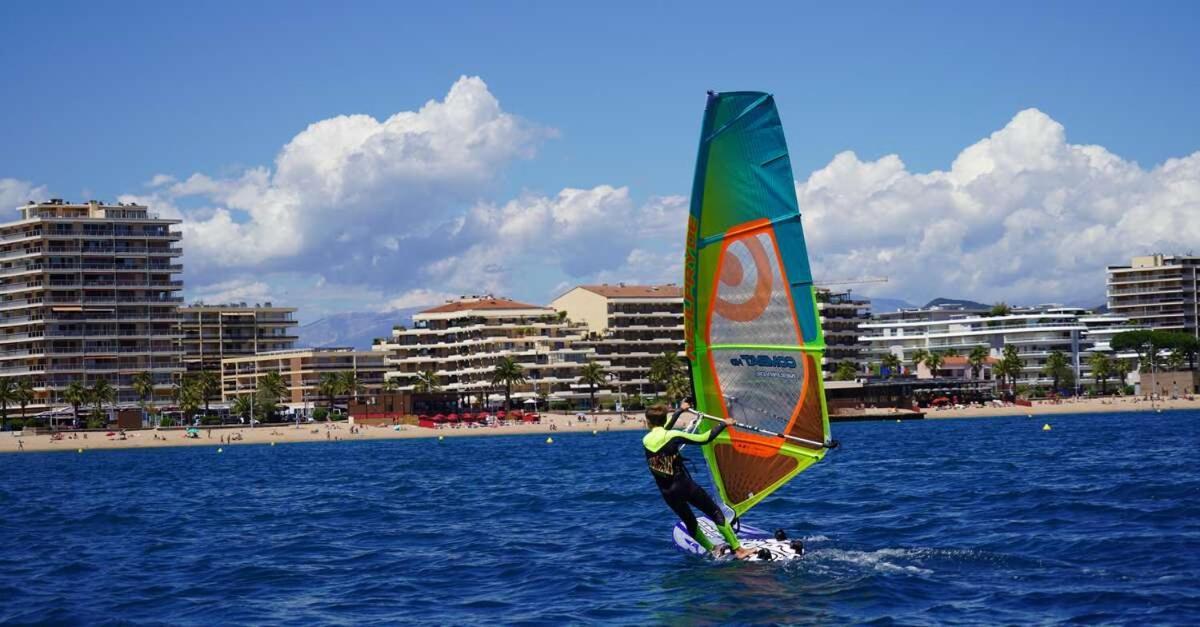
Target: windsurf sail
x,y
750,316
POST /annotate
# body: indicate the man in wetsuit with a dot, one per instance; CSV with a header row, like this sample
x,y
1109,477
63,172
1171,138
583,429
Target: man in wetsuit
x,y
678,488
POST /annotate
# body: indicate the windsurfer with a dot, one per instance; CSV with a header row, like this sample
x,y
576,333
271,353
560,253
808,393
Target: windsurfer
x,y
678,489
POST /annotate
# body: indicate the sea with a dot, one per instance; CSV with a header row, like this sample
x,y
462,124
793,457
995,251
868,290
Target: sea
x,y
966,521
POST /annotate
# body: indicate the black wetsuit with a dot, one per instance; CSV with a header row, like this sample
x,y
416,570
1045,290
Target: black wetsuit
x,y
676,485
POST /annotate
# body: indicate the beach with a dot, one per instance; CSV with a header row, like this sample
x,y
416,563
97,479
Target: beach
x,y
551,424
1066,406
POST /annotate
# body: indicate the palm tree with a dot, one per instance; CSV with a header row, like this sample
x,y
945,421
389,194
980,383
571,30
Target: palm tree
x,y
1122,368
189,397
102,393
350,384
427,381
508,373
389,386
272,387
243,406
1057,367
76,395
25,394
892,362
1010,366
665,368
1102,369
8,394
934,361
208,384
678,387
977,358
143,386
918,357
329,386
845,372
592,375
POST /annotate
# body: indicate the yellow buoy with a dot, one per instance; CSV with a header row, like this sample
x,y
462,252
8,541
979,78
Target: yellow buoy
x,y
220,450
1029,415
78,450
549,440
897,420
594,432
272,444
1158,411
441,437
1045,427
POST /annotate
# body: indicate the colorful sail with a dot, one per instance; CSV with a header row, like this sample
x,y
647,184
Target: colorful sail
x,y
751,325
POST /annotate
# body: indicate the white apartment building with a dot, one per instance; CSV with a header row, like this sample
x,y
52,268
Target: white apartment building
x,y
627,327
461,342
1036,332
1158,292
88,291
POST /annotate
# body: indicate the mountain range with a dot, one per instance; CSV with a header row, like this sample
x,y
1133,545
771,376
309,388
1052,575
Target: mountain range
x,y
353,329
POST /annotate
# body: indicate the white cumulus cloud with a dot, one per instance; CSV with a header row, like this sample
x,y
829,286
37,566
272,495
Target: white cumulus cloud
x,y
1022,215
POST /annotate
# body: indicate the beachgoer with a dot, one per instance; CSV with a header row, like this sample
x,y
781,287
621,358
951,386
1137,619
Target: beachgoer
x,y
20,445
676,485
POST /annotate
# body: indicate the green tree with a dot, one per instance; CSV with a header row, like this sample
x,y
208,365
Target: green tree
x,y
1000,309
76,395
977,357
934,361
679,387
664,369
243,406
1009,366
892,362
8,394
329,386
189,397
25,394
845,372
508,373
427,381
389,386
1122,368
351,386
1102,369
143,386
1057,367
918,357
101,393
592,375
208,385
272,387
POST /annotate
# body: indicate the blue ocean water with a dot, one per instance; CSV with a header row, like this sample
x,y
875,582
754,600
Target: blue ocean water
x,y
980,521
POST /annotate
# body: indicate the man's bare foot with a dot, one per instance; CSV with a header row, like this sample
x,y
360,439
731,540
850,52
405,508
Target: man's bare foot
x,y
743,553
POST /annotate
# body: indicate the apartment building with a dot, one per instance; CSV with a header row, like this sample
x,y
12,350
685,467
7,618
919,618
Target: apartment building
x,y
89,291
301,370
212,333
1034,331
1158,292
840,316
627,327
461,342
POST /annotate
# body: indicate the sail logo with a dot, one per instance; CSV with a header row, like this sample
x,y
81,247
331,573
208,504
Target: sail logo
x,y
764,361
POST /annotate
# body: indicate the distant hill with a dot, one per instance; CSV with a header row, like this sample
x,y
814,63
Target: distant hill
x,y
355,329
966,304
888,305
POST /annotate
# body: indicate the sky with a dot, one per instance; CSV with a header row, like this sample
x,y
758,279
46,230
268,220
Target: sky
x,y
370,156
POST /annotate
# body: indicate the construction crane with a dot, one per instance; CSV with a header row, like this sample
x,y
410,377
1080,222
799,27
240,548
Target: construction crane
x,y
859,281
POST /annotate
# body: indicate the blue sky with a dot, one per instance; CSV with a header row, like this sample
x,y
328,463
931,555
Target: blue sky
x,y
101,97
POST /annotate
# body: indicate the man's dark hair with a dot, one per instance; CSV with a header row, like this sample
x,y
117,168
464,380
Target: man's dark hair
x,y
656,415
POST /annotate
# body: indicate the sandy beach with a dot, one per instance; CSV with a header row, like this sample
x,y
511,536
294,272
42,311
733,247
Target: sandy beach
x,y
552,424
1067,406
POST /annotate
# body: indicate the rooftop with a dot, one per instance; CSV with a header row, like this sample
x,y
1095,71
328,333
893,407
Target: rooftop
x,y
477,303
621,290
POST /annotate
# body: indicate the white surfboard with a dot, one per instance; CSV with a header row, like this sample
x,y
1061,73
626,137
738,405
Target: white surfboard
x,y
751,537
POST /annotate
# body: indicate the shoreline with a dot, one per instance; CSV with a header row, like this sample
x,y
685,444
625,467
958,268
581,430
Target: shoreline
x,y
1108,404
552,424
